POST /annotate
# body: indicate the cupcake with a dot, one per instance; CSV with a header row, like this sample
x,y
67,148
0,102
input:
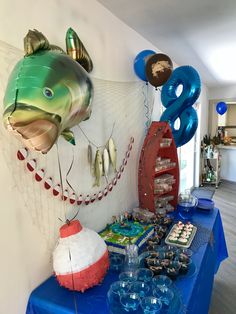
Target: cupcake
x,y
182,240
173,239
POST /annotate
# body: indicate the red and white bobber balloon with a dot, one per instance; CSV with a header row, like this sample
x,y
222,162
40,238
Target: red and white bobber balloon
x,y
80,260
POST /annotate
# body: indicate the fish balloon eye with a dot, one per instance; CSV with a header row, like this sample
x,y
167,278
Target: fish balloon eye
x,y
48,92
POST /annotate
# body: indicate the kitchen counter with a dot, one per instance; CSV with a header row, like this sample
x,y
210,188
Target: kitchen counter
x,y
228,164
227,146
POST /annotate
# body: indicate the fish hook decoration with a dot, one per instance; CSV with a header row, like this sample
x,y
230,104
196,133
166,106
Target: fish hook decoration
x,y
48,91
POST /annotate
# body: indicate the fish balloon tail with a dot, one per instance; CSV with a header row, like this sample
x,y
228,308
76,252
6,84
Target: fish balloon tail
x,y
76,50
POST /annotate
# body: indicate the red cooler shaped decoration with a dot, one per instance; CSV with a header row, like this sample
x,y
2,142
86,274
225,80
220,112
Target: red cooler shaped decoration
x,y
158,176
80,260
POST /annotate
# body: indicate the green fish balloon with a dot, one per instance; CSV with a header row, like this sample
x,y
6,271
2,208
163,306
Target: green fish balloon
x,y
48,91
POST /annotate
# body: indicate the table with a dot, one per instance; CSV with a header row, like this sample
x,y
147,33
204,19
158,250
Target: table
x,y
50,298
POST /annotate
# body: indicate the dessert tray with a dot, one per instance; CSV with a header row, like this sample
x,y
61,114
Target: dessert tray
x,y
181,235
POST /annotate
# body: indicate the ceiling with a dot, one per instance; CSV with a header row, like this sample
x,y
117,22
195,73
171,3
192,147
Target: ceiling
x,y
199,33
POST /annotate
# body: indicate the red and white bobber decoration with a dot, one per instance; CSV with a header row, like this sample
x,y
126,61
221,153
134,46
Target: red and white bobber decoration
x,y
80,260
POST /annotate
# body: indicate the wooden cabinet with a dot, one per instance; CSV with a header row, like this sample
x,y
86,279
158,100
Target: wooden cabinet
x,y
158,146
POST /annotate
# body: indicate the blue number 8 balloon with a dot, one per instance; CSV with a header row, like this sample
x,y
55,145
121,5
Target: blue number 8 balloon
x,y
181,106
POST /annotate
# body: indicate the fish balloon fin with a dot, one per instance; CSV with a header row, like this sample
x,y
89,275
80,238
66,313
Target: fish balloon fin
x,y
76,50
57,49
68,136
34,41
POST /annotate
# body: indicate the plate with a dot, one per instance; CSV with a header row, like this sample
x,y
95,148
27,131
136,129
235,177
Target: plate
x,y
205,204
187,245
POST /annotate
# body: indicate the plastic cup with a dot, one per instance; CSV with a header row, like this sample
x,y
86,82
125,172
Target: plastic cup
x,y
165,295
141,288
116,262
161,281
129,276
130,301
117,289
144,274
151,305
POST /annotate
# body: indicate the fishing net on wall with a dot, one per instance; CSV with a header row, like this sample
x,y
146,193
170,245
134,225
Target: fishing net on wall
x,y
120,109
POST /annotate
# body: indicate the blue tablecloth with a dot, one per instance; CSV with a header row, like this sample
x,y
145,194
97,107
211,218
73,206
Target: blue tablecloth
x,y
195,289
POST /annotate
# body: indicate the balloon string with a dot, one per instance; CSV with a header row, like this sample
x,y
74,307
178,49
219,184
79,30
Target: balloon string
x,y
61,182
60,174
151,108
68,172
91,142
145,102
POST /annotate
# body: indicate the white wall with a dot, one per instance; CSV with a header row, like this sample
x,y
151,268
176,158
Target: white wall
x,y
224,92
27,229
29,221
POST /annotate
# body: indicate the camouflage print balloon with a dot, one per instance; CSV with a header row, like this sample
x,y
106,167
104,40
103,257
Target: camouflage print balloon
x,y
47,94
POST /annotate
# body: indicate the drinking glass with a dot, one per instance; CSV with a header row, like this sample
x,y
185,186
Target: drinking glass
x,y
131,257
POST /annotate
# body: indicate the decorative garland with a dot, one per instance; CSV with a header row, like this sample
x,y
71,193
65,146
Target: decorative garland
x,y
72,198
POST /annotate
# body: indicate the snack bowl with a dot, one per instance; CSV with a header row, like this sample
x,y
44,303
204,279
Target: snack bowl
x,y
170,255
153,261
156,269
188,269
182,257
154,254
172,270
165,262
170,248
152,247
187,252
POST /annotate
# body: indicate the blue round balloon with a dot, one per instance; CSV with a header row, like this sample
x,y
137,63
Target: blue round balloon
x,y
140,63
181,106
221,107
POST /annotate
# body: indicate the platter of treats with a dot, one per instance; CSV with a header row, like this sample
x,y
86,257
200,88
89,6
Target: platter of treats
x,y
181,234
